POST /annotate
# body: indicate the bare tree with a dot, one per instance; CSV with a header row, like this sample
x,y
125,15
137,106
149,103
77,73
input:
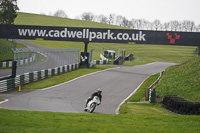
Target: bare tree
x,y
102,19
140,24
198,28
88,16
147,25
156,24
119,20
125,22
166,26
60,13
174,25
111,18
132,23
192,26
188,26
95,18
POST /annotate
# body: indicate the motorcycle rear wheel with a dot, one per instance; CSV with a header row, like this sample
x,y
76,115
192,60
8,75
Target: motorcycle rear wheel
x,y
92,107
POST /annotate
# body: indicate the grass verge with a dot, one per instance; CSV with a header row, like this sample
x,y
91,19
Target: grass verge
x,y
58,79
182,80
143,108
48,122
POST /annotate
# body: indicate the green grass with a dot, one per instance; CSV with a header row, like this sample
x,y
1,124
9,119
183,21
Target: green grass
x,y
36,19
47,122
6,52
51,81
182,80
143,53
135,117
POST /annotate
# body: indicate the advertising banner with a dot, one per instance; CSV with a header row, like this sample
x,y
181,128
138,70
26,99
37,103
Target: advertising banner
x,y
100,35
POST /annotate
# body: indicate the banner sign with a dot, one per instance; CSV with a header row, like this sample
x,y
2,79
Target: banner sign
x,y
100,35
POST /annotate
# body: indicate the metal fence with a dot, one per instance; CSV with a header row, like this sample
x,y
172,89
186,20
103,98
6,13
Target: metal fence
x,y
35,59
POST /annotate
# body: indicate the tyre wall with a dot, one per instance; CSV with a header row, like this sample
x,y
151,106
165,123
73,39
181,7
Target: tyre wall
x,y
181,106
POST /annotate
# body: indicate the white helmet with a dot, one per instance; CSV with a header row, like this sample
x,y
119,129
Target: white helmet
x,y
99,90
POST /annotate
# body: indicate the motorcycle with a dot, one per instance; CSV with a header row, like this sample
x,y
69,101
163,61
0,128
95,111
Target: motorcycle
x,y
92,104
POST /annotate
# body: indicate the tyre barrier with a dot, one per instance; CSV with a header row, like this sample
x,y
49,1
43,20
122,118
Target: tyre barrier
x,y
9,84
181,106
129,57
119,61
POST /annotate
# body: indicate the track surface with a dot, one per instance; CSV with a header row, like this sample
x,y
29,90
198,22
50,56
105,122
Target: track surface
x,y
116,84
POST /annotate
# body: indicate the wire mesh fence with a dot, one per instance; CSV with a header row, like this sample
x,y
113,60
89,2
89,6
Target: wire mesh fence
x,y
35,59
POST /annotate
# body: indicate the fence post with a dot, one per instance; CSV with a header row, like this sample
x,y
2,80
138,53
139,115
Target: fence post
x,y
198,50
147,94
153,96
14,69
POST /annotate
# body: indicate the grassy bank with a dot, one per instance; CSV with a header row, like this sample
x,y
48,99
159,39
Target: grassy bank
x,y
47,122
182,80
36,19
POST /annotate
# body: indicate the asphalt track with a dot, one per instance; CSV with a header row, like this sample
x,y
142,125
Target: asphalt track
x,y
117,84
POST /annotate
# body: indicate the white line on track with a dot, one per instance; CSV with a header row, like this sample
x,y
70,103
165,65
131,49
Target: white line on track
x,y
117,110
6,100
77,79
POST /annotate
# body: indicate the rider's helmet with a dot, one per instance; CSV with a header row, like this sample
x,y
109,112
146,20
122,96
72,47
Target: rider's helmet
x,y
99,91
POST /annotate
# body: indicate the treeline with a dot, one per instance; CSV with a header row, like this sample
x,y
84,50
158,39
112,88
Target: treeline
x,y
140,24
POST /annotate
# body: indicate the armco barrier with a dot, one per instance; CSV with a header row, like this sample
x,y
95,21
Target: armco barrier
x,y
11,83
148,91
181,106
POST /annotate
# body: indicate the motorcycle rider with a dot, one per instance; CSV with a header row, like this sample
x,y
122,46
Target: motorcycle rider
x,y
98,93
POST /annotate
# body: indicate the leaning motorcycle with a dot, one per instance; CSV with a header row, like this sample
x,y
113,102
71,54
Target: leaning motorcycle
x,y
92,104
